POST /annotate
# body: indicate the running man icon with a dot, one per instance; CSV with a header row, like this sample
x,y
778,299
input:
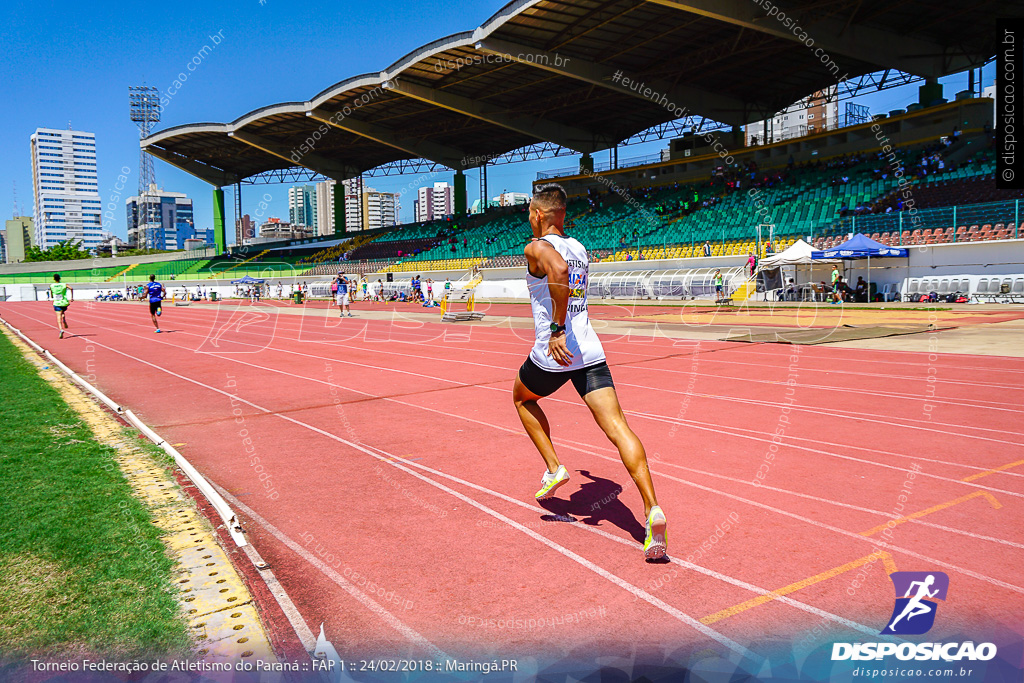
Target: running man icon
x,y
914,612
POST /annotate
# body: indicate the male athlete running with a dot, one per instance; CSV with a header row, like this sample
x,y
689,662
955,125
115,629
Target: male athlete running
x,y
155,291
60,291
567,349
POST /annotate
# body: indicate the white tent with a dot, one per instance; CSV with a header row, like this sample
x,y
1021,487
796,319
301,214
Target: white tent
x,y
798,254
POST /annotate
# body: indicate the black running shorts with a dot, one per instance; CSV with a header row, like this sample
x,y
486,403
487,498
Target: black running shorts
x,y
546,382
154,306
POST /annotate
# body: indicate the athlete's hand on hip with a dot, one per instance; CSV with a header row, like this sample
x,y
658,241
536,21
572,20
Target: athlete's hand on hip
x,y
558,350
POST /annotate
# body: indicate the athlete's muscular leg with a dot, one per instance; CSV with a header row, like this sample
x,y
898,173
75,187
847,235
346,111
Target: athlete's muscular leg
x,y
535,422
604,404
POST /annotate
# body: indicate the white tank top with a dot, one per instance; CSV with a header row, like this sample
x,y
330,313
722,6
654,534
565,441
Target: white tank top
x,y
581,340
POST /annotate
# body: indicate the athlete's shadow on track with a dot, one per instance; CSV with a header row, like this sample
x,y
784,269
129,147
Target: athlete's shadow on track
x,y
596,500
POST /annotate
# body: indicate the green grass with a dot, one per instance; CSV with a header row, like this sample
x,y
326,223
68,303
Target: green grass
x,y
82,568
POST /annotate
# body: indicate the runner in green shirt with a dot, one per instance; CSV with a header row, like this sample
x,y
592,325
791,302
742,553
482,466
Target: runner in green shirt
x,y
62,298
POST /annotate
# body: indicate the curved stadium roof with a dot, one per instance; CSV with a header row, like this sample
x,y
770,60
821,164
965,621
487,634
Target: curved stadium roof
x,y
545,71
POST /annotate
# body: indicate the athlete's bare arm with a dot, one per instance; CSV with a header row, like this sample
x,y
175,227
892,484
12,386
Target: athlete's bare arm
x,y
544,260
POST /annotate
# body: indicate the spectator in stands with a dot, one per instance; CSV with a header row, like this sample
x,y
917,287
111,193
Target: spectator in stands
x,y
707,248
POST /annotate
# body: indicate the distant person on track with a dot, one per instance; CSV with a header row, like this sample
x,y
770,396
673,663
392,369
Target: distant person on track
x,y
719,284
155,291
62,296
342,296
751,263
566,348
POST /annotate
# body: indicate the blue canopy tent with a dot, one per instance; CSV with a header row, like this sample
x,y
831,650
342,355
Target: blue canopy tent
x,y
859,247
248,281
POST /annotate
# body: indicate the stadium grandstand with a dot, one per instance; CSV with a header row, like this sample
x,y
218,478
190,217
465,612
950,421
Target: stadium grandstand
x,y
444,107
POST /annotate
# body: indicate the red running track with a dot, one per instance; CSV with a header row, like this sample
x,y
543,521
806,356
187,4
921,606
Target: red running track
x,y
382,471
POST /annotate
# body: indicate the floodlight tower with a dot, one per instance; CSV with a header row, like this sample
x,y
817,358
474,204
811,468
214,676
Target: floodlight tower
x,y
144,107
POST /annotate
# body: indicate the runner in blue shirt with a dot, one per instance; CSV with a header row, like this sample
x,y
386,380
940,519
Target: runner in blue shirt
x,y
342,295
155,291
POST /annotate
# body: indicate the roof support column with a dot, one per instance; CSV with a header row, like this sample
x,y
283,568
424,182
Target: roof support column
x,y
460,194
339,208
219,236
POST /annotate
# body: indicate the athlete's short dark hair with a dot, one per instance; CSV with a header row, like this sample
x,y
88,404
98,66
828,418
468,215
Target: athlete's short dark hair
x,y
56,277
152,278
550,196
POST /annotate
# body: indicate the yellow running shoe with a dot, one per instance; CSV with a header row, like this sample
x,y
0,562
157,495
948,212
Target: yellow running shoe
x,y
656,543
551,482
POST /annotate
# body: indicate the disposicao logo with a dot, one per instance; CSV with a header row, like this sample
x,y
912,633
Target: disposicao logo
x,y
914,612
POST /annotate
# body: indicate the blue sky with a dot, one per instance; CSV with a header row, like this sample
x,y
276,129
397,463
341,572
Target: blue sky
x,y
66,62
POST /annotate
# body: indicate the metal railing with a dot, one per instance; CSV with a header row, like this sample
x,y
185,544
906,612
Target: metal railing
x,y
941,218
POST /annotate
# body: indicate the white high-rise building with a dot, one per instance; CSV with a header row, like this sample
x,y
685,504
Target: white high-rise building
x,y
302,206
434,202
66,189
325,207
381,209
369,209
353,204
813,114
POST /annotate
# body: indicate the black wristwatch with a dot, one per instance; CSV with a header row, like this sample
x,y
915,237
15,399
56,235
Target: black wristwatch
x,y
555,327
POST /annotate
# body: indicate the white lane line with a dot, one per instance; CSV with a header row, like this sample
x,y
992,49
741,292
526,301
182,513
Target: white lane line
x,y
327,570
